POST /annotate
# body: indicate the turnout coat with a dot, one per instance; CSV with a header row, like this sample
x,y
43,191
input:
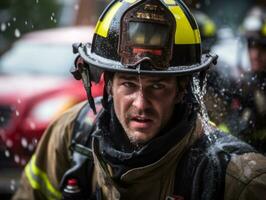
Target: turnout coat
x,y
198,166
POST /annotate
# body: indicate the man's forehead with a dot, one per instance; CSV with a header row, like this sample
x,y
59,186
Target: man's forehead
x,y
253,43
143,77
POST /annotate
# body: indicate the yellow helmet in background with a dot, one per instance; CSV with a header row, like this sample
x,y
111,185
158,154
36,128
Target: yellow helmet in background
x,y
254,26
207,28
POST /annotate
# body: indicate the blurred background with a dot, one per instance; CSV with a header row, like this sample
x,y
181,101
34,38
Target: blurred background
x,y
17,17
36,55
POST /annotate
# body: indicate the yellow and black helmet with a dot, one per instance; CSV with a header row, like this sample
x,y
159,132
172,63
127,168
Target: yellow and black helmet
x,y
254,26
146,37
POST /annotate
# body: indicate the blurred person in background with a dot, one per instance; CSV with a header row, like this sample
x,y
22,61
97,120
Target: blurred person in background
x,y
251,98
242,98
148,140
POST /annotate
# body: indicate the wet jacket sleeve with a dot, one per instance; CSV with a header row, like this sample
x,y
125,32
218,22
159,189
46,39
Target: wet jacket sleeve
x,y
246,177
42,175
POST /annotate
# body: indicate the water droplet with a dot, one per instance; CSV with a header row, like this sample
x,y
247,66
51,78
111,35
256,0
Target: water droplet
x,y
9,143
17,33
7,153
76,7
17,113
16,158
138,69
14,19
247,171
37,1
32,125
24,142
23,162
12,184
35,141
19,101
3,27
252,162
198,5
30,147
199,91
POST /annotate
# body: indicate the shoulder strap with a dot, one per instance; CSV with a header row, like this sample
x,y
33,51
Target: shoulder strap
x,y
201,172
81,135
82,160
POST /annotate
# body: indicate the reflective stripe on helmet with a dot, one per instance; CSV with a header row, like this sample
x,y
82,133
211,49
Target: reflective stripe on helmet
x,y
184,33
39,180
103,26
169,2
130,1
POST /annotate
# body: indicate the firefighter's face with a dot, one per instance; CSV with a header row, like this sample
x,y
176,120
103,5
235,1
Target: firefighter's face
x,y
257,56
143,104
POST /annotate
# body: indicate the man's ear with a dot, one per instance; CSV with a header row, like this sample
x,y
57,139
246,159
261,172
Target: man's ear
x,y
108,78
109,88
182,85
180,96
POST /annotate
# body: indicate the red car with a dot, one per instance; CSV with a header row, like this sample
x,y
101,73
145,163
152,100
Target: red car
x,y
36,86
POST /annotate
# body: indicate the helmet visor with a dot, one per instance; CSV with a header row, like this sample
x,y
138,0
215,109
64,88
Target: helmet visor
x,y
145,41
149,35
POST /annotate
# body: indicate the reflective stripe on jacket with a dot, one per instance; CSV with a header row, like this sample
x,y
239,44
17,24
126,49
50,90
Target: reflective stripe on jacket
x,y
39,180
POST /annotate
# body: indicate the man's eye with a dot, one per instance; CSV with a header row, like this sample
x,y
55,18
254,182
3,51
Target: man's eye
x,y
158,86
129,84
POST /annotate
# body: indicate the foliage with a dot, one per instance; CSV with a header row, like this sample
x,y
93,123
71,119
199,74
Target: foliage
x,y
18,17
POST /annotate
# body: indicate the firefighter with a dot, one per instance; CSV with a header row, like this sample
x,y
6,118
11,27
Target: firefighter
x,y
251,84
147,140
246,113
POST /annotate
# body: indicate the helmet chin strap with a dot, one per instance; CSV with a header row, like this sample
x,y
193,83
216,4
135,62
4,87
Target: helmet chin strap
x,y
85,74
80,71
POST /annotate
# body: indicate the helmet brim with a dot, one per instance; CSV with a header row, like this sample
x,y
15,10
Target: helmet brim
x,y
105,64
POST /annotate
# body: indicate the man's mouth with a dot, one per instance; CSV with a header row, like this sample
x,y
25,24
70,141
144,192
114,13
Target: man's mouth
x,y
140,122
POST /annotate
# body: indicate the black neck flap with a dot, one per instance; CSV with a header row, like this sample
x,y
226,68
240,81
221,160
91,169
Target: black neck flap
x,y
117,151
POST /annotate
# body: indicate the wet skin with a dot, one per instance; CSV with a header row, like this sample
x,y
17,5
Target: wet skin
x,y
257,59
143,104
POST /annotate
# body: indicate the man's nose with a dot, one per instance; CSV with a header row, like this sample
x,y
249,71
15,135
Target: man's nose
x,y
141,101
255,53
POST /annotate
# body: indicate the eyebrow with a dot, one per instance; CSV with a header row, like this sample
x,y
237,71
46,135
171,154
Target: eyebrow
x,y
127,77
133,78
